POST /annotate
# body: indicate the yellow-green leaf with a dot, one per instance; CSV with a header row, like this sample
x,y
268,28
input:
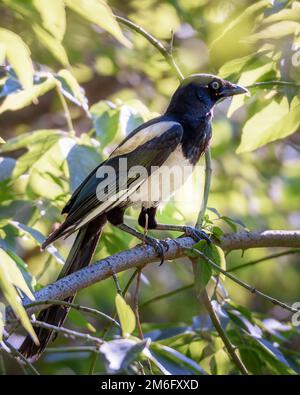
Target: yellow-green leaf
x,y
21,99
2,141
99,13
9,278
53,16
18,55
13,273
126,316
248,78
276,31
274,122
52,44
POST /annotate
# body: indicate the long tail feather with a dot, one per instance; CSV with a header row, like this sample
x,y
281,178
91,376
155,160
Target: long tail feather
x,y
79,256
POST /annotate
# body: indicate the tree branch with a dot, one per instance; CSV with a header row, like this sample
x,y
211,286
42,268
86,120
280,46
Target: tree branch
x,y
141,255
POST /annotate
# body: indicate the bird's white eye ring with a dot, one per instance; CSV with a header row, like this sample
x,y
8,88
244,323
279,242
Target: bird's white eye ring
x,y
215,85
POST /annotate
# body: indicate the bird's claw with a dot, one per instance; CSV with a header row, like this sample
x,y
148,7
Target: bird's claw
x,y
159,246
197,234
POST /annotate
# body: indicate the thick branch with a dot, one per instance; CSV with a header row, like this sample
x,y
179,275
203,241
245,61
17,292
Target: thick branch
x,y
141,255
267,238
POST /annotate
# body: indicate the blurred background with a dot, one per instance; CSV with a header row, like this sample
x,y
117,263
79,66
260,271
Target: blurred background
x,y
255,184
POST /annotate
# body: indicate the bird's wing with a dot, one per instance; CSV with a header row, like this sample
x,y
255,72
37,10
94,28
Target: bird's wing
x,y
150,146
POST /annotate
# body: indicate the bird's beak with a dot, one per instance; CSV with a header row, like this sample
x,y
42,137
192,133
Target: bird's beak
x,y
233,89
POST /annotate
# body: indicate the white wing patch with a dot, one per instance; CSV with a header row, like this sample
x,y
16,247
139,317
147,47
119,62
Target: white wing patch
x,y
141,137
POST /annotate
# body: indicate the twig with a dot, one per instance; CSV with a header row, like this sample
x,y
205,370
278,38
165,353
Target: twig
x,y
91,311
94,359
274,82
136,304
208,171
166,295
67,113
16,354
267,238
67,332
109,326
156,43
232,350
263,259
54,350
243,284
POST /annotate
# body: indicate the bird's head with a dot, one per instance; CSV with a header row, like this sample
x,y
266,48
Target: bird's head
x,y
199,93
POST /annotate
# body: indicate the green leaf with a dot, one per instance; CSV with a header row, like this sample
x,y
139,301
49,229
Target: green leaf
x,y
81,161
52,44
203,269
38,144
249,14
248,77
10,277
53,16
99,13
274,122
15,50
275,31
18,100
29,279
106,121
213,252
126,316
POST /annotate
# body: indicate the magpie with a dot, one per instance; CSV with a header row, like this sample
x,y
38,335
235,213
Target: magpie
x,y
177,138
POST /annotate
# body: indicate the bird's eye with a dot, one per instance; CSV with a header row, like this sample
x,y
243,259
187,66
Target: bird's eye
x,y
215,85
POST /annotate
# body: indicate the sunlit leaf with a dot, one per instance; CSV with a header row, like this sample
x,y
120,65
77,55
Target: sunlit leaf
x,y
23,98
126,316
53,16
16,49
276,31
273,122
10,277
99,13
248,77
52,44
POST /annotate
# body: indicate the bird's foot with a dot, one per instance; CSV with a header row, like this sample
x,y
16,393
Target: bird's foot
x,y
159,245
196,234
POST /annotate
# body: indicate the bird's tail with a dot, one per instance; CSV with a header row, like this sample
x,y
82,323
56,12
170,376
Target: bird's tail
x,y
79,256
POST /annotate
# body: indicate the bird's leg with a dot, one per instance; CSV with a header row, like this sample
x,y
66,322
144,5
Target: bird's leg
x,y
187,230
115,217
159,245
150,213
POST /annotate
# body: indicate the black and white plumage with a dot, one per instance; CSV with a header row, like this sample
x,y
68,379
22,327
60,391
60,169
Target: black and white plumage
x,y
177,138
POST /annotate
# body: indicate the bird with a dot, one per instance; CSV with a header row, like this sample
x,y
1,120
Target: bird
x,y
177,138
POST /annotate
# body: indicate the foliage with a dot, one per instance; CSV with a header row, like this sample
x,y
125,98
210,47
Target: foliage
x,y
60,60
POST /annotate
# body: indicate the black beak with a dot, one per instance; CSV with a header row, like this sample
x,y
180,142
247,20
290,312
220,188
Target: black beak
x,y
233,89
